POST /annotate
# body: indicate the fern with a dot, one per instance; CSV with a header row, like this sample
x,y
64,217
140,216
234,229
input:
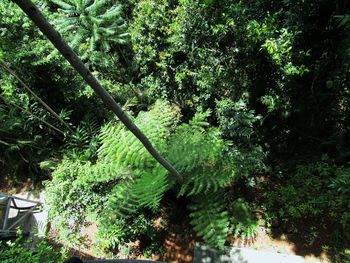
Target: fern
x,y
91,25
246,231
88,174
210,219
244,225
145,191
141,182
199,155
120,146
137,182
103,172
205,181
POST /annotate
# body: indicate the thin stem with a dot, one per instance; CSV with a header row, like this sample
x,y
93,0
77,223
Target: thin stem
x,y
30,113
5,143
11,72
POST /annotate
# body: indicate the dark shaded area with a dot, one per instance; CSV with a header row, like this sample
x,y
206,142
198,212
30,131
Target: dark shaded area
x,y
179,238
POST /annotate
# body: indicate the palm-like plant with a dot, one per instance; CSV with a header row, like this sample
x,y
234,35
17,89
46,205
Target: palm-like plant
x,y
91,25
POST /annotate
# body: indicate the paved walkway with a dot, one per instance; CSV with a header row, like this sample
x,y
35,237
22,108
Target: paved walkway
x,y
205,254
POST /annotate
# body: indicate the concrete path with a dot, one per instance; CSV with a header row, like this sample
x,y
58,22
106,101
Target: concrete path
x,y
205,254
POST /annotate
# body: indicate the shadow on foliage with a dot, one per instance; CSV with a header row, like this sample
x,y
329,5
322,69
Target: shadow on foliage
x,y
303,207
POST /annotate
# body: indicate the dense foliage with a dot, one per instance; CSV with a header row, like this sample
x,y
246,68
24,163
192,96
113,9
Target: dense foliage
x,y
25,250
139,182
249,100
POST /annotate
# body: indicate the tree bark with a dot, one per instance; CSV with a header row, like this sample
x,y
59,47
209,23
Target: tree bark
x,y
55,38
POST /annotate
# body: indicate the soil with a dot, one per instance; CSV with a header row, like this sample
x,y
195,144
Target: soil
x,y
180,239
9,186
283,245
179,247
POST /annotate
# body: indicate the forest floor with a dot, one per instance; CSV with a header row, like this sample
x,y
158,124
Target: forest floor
x,y
179,239
16,187
179,246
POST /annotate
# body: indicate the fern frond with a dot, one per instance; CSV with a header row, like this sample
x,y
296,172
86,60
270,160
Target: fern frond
x,y
199,119
97,23
90,174
62,4
205,181
209,218
199,155
145,191
244,225
120,146
201,147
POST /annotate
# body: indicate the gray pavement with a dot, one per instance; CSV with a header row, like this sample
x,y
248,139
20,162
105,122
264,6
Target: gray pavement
x,y
205,254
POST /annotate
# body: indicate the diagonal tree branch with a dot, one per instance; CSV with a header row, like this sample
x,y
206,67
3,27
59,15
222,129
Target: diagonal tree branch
x,y
47,29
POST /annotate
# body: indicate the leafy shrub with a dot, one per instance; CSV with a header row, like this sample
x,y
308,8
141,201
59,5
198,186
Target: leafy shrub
x,y
20,250
236,120
277,42
239,123
71,202
188,46
341,184
117,234
301,197
307,195
343,256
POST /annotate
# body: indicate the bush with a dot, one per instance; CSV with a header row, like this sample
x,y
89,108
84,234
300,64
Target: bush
x,y
21,250
308,195
118,234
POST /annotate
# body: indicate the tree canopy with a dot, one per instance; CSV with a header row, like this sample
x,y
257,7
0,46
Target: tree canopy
x,y
248,100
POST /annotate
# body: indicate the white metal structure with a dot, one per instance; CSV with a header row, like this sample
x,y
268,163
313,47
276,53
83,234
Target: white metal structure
x,y
14,211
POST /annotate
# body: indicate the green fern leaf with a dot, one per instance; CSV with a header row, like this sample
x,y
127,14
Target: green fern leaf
x,y
145,191
210,218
